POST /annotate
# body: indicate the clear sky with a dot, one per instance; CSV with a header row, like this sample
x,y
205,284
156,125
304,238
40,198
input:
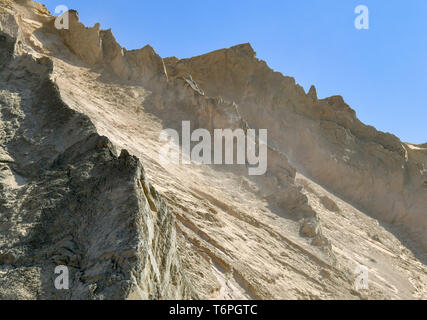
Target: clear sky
x,y
381,72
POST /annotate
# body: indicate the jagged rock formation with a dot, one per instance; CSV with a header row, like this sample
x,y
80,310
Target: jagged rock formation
x,y
322,138
67,198
70,98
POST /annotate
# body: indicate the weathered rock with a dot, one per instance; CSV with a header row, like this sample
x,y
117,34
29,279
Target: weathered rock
x,y
312,93
74,202
70,98
99,48
321,138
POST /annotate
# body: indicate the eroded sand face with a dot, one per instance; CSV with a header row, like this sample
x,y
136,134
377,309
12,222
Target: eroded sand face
x,y
284,236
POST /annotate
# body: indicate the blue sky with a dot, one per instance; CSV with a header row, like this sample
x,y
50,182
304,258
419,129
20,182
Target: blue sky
x,y
380,72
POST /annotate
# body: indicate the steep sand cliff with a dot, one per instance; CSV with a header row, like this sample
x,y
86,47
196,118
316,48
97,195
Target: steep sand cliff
x,y
336,194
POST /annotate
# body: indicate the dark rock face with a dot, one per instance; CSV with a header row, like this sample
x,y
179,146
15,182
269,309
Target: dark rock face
x,y
67,198
6,49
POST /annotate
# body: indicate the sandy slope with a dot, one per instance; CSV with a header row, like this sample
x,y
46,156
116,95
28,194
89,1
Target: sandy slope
x,y
232,242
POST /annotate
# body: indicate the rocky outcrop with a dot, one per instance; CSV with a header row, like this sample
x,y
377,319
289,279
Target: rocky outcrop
x,y
183,93
312,93
70,98
321,138
67,198
99,48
